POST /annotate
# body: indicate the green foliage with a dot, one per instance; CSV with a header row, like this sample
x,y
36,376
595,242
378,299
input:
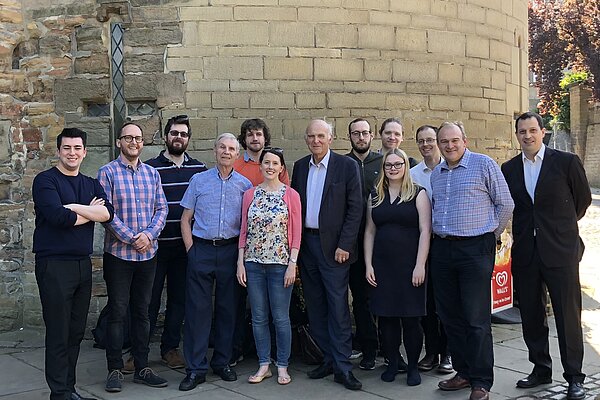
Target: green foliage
x,y
563,102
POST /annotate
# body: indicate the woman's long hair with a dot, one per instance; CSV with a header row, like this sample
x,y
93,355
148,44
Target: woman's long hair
x,y
408,190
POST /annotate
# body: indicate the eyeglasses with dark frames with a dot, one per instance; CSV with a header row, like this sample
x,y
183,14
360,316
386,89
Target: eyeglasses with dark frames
x,y
421,142
396,165
129,138
181,134
357,134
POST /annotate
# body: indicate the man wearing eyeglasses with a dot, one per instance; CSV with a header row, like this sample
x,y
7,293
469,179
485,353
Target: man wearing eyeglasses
x,y
436,354
175,167
130,246
471,208
369,163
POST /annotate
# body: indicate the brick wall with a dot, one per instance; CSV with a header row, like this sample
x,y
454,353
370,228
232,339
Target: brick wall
x,y
221,61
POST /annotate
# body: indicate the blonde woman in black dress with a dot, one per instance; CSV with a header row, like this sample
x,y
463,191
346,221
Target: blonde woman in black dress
x,y
397,237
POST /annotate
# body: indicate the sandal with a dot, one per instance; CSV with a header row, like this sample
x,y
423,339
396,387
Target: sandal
x,y
283,379
256,378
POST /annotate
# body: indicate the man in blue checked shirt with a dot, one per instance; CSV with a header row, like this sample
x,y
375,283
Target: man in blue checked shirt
x,y
471,208
210,227
130,246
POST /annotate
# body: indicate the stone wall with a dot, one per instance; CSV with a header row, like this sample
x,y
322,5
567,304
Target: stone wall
x,y
221,61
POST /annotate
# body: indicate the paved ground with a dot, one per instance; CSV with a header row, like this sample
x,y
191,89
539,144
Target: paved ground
x,y
22,362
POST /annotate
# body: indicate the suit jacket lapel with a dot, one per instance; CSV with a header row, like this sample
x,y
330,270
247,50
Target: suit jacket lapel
x,y
546,164
329,176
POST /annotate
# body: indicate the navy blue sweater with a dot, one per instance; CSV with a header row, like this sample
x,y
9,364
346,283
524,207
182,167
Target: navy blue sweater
x,y
56,235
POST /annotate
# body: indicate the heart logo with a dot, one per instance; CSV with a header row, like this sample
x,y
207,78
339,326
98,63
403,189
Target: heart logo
x,y
501,278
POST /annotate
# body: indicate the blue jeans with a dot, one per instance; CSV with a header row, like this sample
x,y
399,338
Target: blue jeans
x,y
266,291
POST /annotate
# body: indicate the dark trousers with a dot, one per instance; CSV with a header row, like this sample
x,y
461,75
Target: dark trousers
x,y
366,331
209,265
563,285
65,289
128,284
391,335
436,342
326,296
171,263
461,271
239,334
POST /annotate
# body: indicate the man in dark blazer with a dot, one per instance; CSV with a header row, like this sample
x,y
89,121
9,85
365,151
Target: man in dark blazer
x,y
551,193
331,195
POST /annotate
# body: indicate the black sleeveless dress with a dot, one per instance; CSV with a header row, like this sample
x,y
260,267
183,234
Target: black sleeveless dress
x,y
394,257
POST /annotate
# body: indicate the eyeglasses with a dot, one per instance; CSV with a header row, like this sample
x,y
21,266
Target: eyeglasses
x,y
129,138
182,134
421,142
396,165
274,149
357,134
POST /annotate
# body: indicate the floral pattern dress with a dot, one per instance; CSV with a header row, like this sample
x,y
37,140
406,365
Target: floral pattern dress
x,y
267,240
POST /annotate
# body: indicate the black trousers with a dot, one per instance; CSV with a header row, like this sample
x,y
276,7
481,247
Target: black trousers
x,y
171,263
563,285
461,271
392,331
65,288
436,342
128,282
366,331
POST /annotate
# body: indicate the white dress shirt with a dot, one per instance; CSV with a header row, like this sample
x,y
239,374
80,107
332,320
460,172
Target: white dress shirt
x,y
531,170
420,175
314,190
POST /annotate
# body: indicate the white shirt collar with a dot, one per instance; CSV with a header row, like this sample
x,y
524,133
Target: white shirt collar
x,y
324,162
538,157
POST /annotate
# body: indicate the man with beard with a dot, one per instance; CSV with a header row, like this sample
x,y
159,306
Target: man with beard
x,y
175,168
369,162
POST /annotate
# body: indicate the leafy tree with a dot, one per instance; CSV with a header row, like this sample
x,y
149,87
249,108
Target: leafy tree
x,y
563,34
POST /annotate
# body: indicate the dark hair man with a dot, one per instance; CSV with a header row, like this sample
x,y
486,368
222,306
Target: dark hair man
x,y
471,208
130,246
391,132
175,167
66,203
369,162
551,194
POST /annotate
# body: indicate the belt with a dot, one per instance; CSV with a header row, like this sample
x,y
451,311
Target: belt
x,y
453,238
312,231
217,242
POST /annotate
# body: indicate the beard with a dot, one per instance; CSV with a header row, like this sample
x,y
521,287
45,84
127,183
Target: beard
x,y
176,151
360,150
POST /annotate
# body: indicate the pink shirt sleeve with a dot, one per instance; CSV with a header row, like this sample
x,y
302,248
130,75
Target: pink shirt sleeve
x,y
292,199
246,200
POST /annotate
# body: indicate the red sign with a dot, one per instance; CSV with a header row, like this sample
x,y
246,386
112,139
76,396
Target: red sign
x,y
502,284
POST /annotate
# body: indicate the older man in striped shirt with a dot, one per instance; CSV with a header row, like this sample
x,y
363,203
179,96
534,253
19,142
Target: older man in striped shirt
x,y
471,208
130,245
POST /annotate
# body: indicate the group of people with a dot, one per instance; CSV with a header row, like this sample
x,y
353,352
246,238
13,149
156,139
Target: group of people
x,y
415,246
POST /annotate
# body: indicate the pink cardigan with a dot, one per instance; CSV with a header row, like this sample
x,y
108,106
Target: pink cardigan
x,y
292,200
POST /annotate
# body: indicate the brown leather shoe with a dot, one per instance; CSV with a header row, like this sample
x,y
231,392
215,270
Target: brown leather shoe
x,y
479,393
173,359
454,383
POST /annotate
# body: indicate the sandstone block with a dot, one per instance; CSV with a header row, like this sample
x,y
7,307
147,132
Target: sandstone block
x,y
495,18
411,39
288,68
291,34
428,22
242,13
191,51
230,100
477,76
233,33
253,86
406,71
311,100
146,63
445,9
389,18
233,68
378,87
355,100
153,36
500,51
211,13
471,12
198,99
312,52
443,42
253,51
190,33
444,103
336,36
498,107
465,90
406,102
450,73
247,2
335,15
411,6
204,128
475,104
378,70
478,47
376,37
426,88
340,70
272,100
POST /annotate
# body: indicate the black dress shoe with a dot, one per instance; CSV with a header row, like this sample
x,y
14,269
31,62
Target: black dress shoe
x,y
575,391
348,380
191,380
77,396
533,380
226,373
429,362
320,372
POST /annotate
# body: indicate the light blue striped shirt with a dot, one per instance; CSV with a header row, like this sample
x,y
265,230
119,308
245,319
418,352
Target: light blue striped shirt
x,y
217,204
470,199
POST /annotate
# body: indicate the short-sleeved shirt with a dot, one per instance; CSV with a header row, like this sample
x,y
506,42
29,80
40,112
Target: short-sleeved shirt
x,y
217,203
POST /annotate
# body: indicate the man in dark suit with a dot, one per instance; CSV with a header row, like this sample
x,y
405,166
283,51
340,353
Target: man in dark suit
x,y
551,193
330,191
